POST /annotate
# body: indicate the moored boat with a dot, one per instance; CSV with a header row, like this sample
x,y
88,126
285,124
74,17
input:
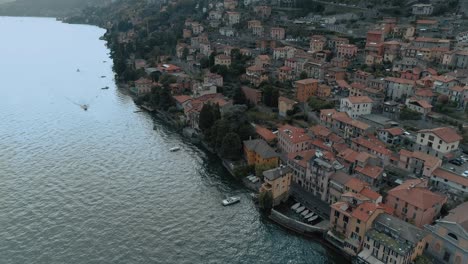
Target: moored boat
x,y
306,212
300,209
174,149
231,200
295,206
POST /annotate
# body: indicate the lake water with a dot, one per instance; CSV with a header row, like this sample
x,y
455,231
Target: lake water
x,y
100,186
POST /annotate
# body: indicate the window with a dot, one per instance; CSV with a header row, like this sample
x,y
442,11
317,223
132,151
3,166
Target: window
x,y
357,229
431,138
446,256
452,235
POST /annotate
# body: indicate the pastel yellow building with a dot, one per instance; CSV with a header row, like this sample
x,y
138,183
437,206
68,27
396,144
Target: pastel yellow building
x,y
277,181
258,152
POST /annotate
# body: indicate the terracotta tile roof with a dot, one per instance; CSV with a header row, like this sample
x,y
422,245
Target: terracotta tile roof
x,y
458,88
413,193
182,98
343,84
458,215
429,160
395,131
348,155
320,144
356,185
399,80
364,156
302,157
335,138
369,193
444,78
307,81
286,100
370,171
264,133
424,93
293,134
338,147
285,68
372,144
450,176
360,99
426,21
320,131
364,211
447,134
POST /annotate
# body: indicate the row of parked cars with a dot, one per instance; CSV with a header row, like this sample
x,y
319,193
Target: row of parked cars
x,y
459,161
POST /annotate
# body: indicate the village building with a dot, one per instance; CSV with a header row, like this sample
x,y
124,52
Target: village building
x,y
278,182
284,105
441,141
257,152
293,139
448,238
391,240
355,106
413,202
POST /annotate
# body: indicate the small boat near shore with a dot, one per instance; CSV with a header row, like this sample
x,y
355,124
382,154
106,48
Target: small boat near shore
x,y
105,88
309,215
174,149
306,212
313,218
231,200
294,207
300,209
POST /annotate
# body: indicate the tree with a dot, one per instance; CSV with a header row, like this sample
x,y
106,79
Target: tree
x,y
239,97
303,75
270,95
231,146
207,118
317,104
265,200
408,114
185,53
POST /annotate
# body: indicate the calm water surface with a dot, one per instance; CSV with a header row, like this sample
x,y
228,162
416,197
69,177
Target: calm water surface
x,y
101,186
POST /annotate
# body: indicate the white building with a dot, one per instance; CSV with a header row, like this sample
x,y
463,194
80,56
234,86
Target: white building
x,y
447,180
438,141
462,37
355,106
422,9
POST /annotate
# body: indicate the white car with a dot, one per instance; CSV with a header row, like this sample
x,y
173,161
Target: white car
x,y
465,173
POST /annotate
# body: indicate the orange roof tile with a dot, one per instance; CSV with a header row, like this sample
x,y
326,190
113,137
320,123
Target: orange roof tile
x,y
371,171
360,99
356,184
413,193
264,133
447,134
450,176
369,193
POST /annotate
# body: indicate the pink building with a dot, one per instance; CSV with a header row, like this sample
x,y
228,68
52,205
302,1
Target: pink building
x,y
293,139
277,33
413,202
346,50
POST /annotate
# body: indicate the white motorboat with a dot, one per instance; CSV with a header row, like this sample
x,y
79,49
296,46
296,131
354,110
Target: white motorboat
x,y
309,215
231,200
174,149
306,212
313,218
295,206
300,209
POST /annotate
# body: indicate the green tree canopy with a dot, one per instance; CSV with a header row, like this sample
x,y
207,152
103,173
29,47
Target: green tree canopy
x,y
231,147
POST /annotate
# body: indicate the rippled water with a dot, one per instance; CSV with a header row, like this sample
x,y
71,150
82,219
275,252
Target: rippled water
x,y
101,186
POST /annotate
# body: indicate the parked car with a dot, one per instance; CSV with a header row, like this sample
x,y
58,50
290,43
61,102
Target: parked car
x,y
456,162
465,173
